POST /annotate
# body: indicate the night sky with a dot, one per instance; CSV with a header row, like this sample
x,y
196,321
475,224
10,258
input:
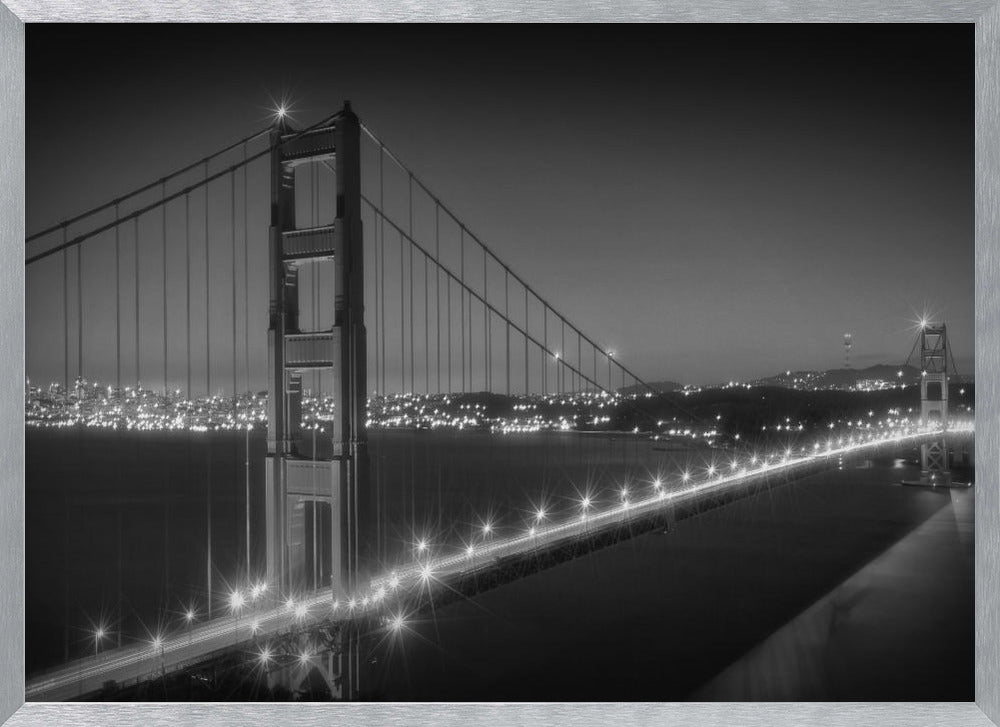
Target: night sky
x,y
712,202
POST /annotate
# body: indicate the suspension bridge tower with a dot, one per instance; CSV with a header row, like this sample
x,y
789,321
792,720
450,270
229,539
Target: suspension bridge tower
x,y
316,488
934,467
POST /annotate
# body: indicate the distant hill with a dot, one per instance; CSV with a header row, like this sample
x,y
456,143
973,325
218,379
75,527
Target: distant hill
x,y
663,387
843,377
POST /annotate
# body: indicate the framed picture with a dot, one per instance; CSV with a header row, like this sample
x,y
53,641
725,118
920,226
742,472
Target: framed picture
x,y
600,373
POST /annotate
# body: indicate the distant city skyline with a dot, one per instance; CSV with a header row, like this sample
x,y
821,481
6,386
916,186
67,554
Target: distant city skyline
x,y
713,203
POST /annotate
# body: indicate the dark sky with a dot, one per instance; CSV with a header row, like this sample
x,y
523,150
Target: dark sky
x,y
714,202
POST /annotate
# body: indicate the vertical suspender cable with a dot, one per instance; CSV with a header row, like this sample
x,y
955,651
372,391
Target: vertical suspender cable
x,y
594,348
526,380
246,354
427,329
577,380
79,306
380,315
314,273
381,206
506,318
437,287
402,327
486,330
545,341
409,232
208,394
135,240
449,334
118,310
163,260
208,310
543,350
562,347
246,276
187,289
461,292
470,338
413,385
232,287
375,292
65,261
381,247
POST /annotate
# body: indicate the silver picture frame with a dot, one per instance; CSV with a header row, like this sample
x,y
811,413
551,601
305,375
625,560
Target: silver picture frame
x,y
985,14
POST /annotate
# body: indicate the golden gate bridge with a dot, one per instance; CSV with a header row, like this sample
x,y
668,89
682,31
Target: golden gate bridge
x,y
383,308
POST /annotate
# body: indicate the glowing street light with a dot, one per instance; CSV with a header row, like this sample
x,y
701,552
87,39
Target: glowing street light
x,y
236,601
257,590
99,634
397,623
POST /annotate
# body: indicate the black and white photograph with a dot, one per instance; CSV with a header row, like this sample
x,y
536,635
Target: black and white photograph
x,y
452,363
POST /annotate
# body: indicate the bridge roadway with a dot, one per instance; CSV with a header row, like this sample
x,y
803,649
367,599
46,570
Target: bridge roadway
x,y
145,660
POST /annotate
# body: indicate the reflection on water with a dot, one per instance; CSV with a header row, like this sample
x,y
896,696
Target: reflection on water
x,y
119,524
